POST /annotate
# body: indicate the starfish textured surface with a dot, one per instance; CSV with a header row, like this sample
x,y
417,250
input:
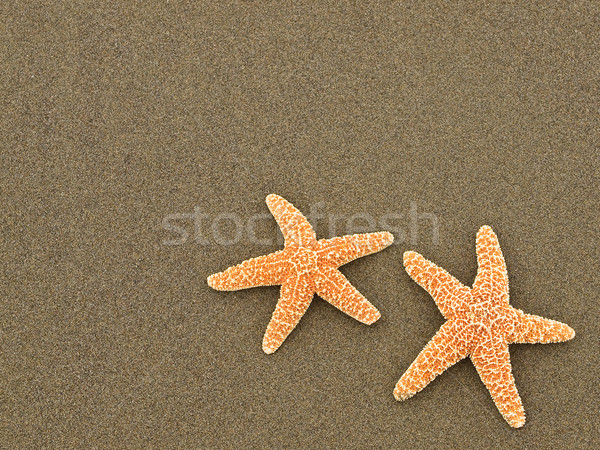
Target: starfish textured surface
x,y
480,324
304,267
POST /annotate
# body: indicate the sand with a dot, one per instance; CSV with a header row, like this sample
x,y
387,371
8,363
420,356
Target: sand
x,y
120,122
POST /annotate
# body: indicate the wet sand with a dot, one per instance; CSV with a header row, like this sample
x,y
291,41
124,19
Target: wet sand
x,y
120,123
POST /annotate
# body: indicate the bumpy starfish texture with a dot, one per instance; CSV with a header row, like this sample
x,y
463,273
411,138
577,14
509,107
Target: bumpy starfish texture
x,y
304,267
480,324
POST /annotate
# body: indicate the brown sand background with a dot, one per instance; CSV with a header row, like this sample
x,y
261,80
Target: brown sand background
x,y
113,117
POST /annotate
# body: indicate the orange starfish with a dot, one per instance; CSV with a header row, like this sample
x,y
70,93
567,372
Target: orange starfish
x,y
304,267
480,324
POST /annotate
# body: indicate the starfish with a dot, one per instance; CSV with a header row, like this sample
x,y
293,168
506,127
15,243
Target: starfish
x,y
304,267
480,324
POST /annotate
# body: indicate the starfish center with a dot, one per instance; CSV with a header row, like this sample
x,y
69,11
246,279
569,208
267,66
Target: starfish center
x,y
484,314
304,261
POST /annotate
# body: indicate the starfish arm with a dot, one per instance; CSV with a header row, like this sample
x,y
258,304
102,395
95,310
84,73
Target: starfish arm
x,y
341,250
530,329
296,296
261,271
492,361
492,277
447,291
333,287
443,350
295,227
